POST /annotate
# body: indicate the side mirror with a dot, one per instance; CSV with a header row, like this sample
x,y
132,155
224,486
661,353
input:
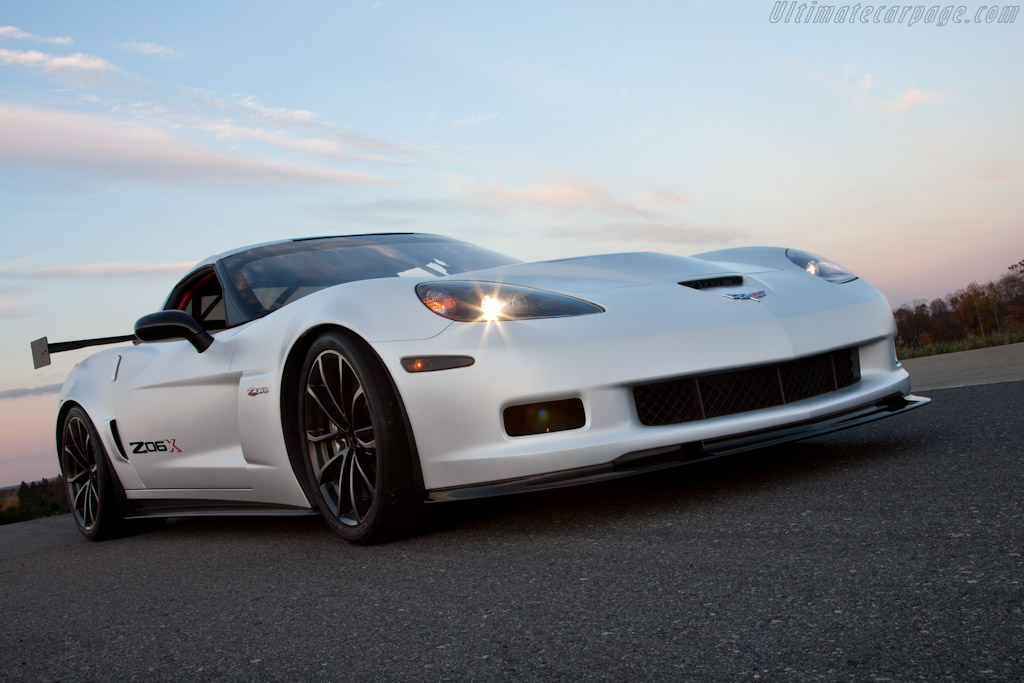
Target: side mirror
x,y
165,325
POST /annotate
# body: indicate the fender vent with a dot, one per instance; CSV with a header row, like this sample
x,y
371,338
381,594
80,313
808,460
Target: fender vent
x,y
117,438
688,399
727,281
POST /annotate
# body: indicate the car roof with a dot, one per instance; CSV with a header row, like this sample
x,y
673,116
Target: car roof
x,y
217,257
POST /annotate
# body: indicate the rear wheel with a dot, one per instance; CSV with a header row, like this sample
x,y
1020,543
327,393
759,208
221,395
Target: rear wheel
x,y
87,478
357,452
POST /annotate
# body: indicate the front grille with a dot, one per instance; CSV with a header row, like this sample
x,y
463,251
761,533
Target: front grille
x,y
688,399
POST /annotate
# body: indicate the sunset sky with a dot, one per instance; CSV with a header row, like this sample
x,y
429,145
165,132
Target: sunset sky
x,y
139,138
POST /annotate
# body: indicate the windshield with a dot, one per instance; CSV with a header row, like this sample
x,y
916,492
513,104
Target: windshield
x,y
269,277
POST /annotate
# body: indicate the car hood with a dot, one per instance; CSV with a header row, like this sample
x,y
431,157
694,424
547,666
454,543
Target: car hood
x,y
593,273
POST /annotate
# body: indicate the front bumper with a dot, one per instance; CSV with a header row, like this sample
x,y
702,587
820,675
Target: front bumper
x,y
652,460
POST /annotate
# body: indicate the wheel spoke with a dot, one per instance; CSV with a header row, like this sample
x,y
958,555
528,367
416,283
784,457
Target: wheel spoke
x,y
91,503
77,458
362,473
361,437
321,396
335,390
352,490
79,502
313,435
327,472
339,511
74,434
75,479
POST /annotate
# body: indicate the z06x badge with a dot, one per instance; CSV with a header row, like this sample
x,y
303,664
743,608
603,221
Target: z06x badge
x,y
165,446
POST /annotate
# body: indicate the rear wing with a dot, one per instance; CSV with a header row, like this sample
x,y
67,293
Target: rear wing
x,y
42,348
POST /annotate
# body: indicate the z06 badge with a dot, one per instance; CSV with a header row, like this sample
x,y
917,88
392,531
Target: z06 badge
x,y
165,446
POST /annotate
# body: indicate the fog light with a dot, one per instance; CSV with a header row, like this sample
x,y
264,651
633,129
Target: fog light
x,y
542,418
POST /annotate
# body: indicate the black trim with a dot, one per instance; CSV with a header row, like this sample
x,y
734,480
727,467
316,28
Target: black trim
x,y
186,507
651,460
364,234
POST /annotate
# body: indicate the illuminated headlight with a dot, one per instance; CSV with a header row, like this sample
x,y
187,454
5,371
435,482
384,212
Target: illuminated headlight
x,y
822,267
489,301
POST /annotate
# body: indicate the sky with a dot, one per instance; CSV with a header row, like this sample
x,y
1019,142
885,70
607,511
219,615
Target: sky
x,y
137,139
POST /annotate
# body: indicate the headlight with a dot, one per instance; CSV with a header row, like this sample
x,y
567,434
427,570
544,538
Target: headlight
x,y
822,267
483,301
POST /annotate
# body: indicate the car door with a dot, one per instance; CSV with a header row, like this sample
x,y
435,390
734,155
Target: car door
x,y
176,408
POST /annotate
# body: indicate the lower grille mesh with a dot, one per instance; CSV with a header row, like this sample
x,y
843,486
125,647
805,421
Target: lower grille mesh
x,y
739,391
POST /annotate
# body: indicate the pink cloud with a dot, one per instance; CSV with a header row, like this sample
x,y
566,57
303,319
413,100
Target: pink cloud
x,y
15,32
911,99
13,305
150,49
132,151
105,270
47,62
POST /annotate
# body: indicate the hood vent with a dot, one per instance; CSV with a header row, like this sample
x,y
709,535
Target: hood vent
x,y
708,283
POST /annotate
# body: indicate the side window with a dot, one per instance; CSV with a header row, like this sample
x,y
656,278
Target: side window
x,y
200,295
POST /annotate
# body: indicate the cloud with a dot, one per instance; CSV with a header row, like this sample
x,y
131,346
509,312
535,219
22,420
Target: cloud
x,y
908,99
663,198
566,195
12,305
51,63
151,49
995,169
236,118
479,118
15,32
320,146
576,206
911,99
14,264
660,232
133,151
31,391
248,119
107,270
277,115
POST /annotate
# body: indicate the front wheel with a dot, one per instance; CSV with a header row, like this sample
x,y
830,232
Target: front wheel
x,y
87,478
357,452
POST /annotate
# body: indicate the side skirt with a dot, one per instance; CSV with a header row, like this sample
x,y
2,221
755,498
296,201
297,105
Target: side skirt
x,y
141,509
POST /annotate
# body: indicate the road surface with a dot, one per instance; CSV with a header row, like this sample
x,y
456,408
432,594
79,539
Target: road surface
x,y
892,551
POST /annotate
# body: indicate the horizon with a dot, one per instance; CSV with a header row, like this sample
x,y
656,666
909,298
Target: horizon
x,y
136,140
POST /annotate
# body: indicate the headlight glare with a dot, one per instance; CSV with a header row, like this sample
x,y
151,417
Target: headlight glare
x,y
819,266
466,301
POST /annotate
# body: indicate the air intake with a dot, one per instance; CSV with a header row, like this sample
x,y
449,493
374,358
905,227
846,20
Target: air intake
x,y
708,283
688,399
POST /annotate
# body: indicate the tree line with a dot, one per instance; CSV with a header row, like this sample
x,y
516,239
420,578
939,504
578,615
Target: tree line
x,y
993,311
38,499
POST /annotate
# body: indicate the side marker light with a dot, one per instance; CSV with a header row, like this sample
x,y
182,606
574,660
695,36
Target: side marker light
x,y
434,363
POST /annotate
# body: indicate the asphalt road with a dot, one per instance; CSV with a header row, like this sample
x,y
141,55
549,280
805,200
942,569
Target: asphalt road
x,y
893,551
967,368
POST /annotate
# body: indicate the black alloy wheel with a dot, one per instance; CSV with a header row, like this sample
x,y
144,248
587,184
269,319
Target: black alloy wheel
x,y
87,479
358,457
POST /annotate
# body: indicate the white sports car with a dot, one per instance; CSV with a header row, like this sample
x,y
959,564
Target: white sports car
x,y
362,376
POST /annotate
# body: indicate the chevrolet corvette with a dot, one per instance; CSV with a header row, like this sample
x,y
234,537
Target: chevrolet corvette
x,y
363,376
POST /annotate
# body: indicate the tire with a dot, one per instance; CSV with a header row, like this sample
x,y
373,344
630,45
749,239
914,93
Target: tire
x,y
87,478
356,449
